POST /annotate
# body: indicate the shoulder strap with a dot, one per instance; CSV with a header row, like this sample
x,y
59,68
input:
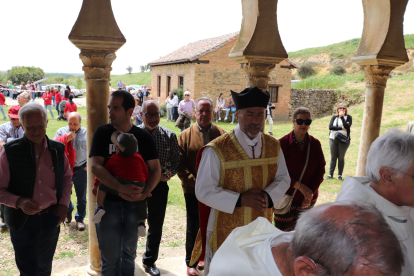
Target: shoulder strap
x,y
304,169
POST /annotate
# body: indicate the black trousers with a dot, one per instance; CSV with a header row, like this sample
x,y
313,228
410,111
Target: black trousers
x,y
193,224
157,204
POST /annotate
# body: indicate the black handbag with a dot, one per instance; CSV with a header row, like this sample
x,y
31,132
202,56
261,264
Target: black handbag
x,y
339,137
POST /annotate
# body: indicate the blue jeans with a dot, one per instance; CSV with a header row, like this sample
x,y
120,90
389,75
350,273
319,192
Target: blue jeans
x,y
117,238
175,113
2,110
79,182
50,109
35,244
33,95
187,126
57,109
234,113
11,94
53,101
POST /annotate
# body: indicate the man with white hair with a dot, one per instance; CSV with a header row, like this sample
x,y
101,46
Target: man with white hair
x,y
35,186
389,185
341,238
23,98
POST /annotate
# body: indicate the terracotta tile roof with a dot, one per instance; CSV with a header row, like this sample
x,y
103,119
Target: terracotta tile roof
x,y
195,50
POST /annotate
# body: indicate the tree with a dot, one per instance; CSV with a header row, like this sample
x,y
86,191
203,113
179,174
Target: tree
x,y
59,79
142,68
22,73
129,69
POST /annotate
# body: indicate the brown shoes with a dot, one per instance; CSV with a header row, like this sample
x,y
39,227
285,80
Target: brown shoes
x,y
200,266
81,226
68,218
191,271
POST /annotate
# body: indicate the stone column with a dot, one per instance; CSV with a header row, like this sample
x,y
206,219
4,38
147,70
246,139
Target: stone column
x,y
258,48
380,50
97,35
375,81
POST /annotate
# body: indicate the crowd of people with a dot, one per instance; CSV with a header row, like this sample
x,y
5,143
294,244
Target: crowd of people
x,y
235,184
59,98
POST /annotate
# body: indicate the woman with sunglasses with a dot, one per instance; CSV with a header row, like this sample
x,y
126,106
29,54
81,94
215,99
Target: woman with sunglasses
x,y
295,146
341,122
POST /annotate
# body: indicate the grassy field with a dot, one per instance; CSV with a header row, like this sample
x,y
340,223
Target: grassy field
x,y
397,112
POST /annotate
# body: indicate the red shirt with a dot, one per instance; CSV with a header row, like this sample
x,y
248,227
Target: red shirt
x,y
58,97
70,108
47,97
2,99
132,168
295,162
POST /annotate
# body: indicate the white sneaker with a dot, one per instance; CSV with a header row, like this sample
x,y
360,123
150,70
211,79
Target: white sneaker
x,y
231,123
99,212
142,232
225,119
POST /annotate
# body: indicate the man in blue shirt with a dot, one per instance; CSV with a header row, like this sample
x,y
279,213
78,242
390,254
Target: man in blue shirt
x,y
11,130
76,134
120,84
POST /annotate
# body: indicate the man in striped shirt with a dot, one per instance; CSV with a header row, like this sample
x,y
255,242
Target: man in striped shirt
x,y
11,130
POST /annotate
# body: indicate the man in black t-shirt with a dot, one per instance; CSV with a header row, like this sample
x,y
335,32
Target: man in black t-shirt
x,y
118,230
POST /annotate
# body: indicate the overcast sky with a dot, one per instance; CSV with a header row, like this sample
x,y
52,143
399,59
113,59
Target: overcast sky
x,y
35,33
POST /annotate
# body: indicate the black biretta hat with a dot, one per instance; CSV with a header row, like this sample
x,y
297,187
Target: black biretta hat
x,y
250,97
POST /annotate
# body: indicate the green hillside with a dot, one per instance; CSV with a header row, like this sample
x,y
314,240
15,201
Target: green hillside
x,y
344,49
134,78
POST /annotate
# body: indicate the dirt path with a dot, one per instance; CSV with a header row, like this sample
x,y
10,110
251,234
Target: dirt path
x,y
170,262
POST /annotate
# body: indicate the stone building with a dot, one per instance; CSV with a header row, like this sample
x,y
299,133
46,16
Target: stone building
x,y
205,69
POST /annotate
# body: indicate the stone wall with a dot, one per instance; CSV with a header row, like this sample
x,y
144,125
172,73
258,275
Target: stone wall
x,y
319,101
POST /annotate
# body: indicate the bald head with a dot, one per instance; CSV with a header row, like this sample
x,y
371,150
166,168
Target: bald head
x,y
148,103
74,121
150,114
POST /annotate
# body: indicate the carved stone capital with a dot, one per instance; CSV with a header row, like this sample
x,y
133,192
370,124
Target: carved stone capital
x,y
257,75
97,65
376,75
97,73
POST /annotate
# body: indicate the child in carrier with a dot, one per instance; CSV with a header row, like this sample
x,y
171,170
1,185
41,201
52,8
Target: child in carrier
x,y
128,167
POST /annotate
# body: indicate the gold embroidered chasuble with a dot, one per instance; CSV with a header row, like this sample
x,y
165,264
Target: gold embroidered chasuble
x,y
239,173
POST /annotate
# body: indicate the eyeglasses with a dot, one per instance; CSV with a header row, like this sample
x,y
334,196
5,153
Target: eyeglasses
x,y
412,176
342,108
301,121
317,263
152,115
187,95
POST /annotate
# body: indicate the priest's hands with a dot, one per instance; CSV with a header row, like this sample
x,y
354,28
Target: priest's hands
x,y
255,198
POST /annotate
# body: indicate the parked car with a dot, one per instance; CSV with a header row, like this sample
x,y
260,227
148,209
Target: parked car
x,y
76,92
135,87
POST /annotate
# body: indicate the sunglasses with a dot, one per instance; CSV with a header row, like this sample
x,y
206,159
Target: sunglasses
x,y
301,121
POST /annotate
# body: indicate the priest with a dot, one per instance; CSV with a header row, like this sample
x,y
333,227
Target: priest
x,y
241,175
